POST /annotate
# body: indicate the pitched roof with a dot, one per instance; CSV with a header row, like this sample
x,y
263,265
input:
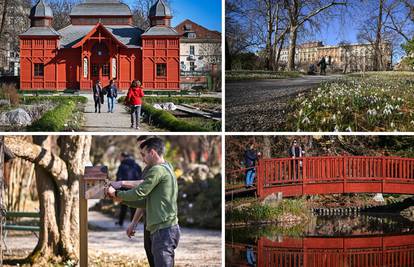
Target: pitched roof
x,y
128,35
160,9
41,9
101,8
40,31
160,31
201,32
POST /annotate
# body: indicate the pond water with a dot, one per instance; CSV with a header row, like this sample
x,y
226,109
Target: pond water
x,y
326,241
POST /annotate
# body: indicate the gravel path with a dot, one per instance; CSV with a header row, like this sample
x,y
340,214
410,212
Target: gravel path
x,y
261,105
119,121
197,247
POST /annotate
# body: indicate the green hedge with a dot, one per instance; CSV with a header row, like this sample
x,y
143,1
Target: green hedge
x,y
170,122
54,120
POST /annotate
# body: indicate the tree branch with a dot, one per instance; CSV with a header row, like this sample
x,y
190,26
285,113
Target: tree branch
x,y
319,10
40,156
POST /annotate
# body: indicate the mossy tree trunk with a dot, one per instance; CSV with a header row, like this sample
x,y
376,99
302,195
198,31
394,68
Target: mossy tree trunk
x,y
59,164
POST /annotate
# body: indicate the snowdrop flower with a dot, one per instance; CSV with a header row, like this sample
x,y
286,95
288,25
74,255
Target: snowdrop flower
x,y
306,120
348,129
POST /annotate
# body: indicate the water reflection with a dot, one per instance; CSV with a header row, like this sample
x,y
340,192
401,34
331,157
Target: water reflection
x,y
326,241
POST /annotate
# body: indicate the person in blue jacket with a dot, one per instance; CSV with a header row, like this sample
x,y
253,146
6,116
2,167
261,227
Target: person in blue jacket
x,y
111,93
250,158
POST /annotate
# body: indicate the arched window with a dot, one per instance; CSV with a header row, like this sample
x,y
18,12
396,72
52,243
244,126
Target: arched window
x,y
85,67
113,68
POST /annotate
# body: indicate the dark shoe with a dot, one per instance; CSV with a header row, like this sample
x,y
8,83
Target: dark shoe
x,y
132,126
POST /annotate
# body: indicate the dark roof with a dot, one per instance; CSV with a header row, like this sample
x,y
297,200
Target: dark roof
x,y
202,33
101,8
128,35
160,9
41,9
160,31
40,31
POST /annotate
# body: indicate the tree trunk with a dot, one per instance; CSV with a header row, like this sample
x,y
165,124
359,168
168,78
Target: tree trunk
x,y
269,50
3,17
57,180
293,34
378,64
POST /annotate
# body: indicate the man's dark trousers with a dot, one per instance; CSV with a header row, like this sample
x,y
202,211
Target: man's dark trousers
x,y
164,242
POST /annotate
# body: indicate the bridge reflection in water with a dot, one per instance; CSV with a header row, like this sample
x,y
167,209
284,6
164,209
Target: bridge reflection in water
x,y
395,251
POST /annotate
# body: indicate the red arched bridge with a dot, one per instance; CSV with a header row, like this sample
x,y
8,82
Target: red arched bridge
x,y
327,175
396,251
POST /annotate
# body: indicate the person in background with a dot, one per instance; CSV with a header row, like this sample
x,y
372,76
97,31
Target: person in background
x,y
134,101
112,94
295,152
250,158
129,170
98,96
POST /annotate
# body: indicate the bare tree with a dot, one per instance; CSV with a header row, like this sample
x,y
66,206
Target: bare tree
x,y
3,16
299,12
61,10
59,163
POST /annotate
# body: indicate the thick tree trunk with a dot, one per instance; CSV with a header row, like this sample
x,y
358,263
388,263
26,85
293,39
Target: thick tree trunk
x,y
292,47
3,17
58,187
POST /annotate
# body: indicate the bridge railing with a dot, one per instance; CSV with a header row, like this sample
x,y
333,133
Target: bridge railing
x,y
236,179
322,169
311,170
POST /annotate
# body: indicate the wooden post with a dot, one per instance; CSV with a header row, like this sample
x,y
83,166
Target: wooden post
x,y
83,225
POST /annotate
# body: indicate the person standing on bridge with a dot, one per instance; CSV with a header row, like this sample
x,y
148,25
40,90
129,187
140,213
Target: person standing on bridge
x,y
295,152
250,158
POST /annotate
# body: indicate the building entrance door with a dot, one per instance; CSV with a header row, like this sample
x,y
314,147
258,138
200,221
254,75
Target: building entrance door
x,y
100,64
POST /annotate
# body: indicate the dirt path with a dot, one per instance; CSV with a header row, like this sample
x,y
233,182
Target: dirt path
x,y
119,121
196,248
260,105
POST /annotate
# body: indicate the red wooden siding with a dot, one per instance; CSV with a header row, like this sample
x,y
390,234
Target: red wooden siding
x,y
156,50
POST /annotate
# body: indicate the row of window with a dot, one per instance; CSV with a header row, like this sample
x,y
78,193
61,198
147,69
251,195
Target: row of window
x,y
39,70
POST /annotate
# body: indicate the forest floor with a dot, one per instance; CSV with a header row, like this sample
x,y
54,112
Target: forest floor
x,y
119,121
108,245
261,105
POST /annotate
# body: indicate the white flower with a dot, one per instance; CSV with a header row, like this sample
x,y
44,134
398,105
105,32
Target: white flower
x,y
348,129
306,120
392,125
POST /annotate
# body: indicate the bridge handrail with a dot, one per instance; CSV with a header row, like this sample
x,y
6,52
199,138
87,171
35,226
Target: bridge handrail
x,y
305,170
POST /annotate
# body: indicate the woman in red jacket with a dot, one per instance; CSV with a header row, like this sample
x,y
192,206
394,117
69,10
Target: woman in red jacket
x,y
133,99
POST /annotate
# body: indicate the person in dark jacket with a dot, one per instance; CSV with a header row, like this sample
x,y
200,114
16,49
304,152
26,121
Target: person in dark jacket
x,y
295,152
322,64
133,100
250,158
129,170
112,94
98,96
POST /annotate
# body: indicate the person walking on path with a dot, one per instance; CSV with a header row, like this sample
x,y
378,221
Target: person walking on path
x,y
322,64
129,170
158,193
295,152
98,96
250,158
134,101
112,94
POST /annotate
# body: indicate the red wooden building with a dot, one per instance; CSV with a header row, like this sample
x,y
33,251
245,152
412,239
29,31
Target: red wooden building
x,y
100,43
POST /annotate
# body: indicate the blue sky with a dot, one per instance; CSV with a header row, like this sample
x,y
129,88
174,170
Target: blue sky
x,y
207,13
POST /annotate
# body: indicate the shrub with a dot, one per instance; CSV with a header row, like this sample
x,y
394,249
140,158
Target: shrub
x,y
54,120
9,92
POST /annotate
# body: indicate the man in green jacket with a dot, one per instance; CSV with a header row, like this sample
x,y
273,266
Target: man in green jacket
x,y
158,195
